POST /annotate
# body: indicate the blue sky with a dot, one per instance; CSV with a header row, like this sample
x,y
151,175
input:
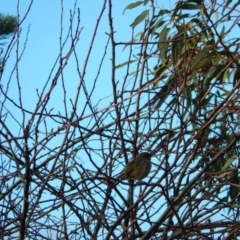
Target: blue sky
x,y
40,33
39,38
42,49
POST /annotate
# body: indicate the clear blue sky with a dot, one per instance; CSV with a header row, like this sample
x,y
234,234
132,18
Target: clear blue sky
x,y
42,46
42,49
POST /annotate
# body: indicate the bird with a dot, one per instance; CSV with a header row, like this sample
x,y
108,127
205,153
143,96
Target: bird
x,y
138,168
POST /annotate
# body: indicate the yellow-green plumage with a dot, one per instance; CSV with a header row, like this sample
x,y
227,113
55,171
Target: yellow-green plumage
x,y
138,168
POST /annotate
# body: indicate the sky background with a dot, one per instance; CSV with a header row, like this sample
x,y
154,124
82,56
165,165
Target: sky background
x,y
39,39
42,47
40,33
42,43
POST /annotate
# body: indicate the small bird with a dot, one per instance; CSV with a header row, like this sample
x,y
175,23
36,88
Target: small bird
x,y
138,168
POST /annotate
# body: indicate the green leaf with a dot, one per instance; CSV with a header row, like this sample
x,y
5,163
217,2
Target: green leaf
x,y
132,5
234,190
229,161
132,73
8,24
125,63
228,2
216,58
163,45
158,24
215,72
222,32
145,2
189,6
201,59
139,18
236,76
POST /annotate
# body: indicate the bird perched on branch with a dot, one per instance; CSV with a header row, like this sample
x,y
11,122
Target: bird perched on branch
x,y
138,168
